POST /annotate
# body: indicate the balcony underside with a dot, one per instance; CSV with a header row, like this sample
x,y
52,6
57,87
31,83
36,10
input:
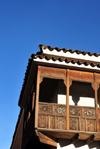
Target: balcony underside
x,y
69,134
50,136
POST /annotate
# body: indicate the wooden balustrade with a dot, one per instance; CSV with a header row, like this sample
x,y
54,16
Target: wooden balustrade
x,y
53,116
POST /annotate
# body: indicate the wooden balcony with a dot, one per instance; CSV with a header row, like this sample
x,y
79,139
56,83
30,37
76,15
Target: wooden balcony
x,y
82,122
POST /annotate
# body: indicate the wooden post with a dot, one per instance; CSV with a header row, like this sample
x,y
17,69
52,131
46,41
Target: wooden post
x,y
33,99
67,101
96,103
37,96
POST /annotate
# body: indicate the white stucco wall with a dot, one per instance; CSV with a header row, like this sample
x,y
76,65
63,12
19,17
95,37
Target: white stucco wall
x,y
65,144
83,101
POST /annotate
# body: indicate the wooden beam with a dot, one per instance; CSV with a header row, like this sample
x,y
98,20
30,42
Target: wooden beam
x,y
97,137
81,76
75,138
37,96
96,103
67,101
90,139
46,139
54,73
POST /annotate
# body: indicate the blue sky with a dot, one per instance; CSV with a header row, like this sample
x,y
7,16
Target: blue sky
x,y
24,24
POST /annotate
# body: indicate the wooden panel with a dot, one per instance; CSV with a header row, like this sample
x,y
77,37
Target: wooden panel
x,y
59,110
75,111
42,121
52,109
74,123
45,109
60,122
51,122
53,73
83,124
81,76
91,125
88,112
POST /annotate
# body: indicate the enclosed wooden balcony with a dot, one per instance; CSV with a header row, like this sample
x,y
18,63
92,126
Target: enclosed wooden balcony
x,y
54,117
52,120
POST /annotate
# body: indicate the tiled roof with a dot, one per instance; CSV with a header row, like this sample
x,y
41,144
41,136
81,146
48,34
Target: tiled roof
x,y
67,50
42,55
25,79
67,60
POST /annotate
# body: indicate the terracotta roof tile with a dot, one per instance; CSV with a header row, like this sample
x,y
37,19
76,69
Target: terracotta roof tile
x,y
66,50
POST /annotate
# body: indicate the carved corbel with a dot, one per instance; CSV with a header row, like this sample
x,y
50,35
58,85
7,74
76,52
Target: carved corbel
x,y
41,79
93,85
70,82
46,139
65,83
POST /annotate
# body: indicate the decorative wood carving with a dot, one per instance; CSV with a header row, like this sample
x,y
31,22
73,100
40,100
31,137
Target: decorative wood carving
x,y
75,111
42,121
59,110
53,116
89,112
45,109
73,123
60,122
91,125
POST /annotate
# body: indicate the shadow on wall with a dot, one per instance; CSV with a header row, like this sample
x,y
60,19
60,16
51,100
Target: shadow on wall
x,y
80,91
79,144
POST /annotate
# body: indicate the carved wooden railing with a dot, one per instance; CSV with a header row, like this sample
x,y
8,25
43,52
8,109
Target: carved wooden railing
x,y
53,116
82,118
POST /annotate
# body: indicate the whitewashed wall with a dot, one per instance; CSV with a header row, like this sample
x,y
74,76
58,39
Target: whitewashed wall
x,y
65,144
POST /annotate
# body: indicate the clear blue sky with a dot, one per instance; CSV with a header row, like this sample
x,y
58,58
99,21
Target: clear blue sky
x,y
24,24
